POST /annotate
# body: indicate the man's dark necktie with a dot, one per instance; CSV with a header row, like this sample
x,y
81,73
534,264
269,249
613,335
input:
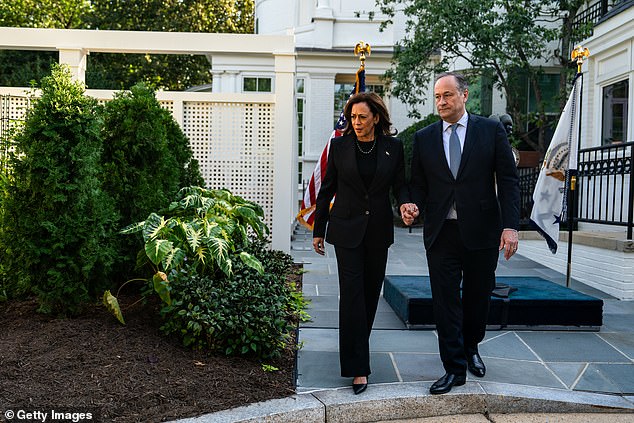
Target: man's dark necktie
x,y
454,151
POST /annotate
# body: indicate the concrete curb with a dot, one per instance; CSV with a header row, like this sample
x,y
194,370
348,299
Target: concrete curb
x,y
384,402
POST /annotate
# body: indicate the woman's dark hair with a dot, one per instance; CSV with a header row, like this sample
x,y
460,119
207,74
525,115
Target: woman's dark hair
x,y
377,107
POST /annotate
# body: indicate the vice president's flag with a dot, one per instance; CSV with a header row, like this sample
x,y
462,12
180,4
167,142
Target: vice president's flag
x,y
550,195
306,216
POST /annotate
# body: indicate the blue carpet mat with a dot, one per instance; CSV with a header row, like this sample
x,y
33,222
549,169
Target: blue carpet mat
x,y
536,303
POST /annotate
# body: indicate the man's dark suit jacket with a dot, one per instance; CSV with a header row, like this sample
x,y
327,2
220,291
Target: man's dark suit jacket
x,y
357,208
487,161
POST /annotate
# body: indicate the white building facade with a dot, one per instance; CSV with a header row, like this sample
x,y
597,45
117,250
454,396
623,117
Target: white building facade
x,y
326,32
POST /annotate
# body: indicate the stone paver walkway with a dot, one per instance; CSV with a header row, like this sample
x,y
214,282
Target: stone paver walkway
x,y
601,362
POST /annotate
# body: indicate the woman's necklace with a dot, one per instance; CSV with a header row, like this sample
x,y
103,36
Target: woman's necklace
x,y
371,148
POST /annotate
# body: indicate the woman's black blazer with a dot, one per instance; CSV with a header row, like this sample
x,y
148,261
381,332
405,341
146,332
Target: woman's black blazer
x,y
358,211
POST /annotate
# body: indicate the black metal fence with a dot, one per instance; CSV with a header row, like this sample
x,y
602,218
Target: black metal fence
x,y
606,185
591,14
528,179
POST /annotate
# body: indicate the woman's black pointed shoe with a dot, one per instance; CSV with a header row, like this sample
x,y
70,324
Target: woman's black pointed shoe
x,y
357,388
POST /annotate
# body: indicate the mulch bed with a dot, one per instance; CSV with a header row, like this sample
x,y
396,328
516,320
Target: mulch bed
x,y
119,373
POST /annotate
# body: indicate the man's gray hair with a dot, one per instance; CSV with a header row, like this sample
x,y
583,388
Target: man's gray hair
x,y
462,82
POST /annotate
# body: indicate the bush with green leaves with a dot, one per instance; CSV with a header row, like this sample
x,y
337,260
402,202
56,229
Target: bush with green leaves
x,y
146,160
221,287
56,219
198,231
407,138
247,313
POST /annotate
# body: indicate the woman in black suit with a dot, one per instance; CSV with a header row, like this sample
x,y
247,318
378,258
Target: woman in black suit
x,y
363,165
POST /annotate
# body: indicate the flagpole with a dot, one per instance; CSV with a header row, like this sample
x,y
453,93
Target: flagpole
x,y
578,54
361,49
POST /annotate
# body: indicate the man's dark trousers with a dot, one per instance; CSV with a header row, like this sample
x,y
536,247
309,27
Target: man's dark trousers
x,y
460,319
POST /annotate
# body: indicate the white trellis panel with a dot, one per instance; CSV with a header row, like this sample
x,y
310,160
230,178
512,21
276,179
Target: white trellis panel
x,y
233,143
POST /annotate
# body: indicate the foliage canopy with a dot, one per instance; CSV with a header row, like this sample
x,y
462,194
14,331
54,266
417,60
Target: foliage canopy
x,y
122,71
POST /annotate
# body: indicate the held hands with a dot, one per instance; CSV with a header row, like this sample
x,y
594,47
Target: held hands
x,y
508,242
409,212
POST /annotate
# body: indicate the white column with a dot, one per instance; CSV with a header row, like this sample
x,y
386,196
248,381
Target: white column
x,y
324,22
216,79
76,60
284,153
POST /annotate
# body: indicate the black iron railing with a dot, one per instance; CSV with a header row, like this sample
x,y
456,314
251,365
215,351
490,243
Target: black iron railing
x,y
606,185
528,179
591,14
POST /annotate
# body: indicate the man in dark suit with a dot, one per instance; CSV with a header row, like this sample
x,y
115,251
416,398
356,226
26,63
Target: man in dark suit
x,y
465,181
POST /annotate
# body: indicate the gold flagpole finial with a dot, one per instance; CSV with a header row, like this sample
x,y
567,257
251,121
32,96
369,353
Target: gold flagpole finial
x,y
361,49
579,54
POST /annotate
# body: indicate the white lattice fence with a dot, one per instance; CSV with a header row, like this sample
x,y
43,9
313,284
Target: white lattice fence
x,y
233,143
232,132
12,111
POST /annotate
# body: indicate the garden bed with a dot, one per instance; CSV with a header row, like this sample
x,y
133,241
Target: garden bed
x,y
119,373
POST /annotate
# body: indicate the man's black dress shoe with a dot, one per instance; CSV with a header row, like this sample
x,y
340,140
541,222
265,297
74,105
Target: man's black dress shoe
x,y
476,365
357,388
445,383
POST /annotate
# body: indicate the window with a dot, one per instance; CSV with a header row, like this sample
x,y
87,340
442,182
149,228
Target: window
x,y
299,86
300,104
549,86
614,113
527,102
255,84
481,95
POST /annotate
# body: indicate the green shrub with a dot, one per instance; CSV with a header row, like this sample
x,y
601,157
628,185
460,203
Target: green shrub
x,y
146,160
407,138
246,313
222,288
275,262
199,231
56,219
201,228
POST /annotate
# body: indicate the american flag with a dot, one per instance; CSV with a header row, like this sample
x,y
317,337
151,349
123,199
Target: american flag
x,y
306,216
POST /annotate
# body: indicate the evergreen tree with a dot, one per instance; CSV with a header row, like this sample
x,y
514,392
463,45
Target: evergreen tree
x,y
146,161
56,220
